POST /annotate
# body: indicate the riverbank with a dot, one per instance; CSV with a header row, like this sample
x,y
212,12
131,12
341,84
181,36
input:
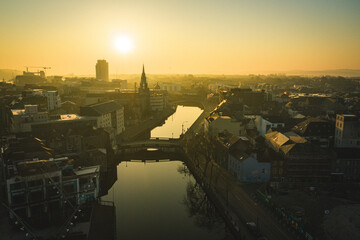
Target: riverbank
x,y
233,222
136,131
236,205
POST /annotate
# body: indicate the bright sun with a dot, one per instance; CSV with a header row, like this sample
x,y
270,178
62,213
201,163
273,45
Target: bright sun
x,y
123,44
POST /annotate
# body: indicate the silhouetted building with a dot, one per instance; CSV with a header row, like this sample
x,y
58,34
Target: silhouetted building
x,y
144,94
29,78
5,119
346,167
316,131
295,160
108,115
102,70
41,188
52,97
121,82
347,132
23,119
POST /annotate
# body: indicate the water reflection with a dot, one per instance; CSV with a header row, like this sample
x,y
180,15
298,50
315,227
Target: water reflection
x,y
177,123
157,201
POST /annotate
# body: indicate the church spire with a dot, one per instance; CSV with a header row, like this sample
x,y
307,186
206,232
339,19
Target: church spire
x,y
143,82
143,77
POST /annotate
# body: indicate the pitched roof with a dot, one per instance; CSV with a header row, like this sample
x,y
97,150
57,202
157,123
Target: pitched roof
x,y
229,140
239,155
278,139
314,127
286,149
99,108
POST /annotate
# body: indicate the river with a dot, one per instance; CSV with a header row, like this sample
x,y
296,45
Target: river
x,y
162,200
177,123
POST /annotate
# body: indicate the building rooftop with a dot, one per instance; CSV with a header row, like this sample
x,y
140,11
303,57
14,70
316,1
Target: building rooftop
x,y
314,127
65,117
99,108
87,170
274,119
18,111
280,140
36,167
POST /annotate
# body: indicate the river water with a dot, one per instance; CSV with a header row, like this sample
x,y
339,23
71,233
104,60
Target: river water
x,y
162,200
177,123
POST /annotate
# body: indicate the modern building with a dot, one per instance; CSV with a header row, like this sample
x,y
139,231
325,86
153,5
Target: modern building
x,y
44,188
102,70
108,115
158,101
347,131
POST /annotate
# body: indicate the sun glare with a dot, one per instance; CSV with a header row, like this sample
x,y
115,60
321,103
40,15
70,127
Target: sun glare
x,y
123,44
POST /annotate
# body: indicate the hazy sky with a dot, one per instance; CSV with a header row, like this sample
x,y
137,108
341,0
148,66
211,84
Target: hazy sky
x,y
181,36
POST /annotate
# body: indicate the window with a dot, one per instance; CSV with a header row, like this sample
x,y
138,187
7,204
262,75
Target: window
x,y
16,186
35,183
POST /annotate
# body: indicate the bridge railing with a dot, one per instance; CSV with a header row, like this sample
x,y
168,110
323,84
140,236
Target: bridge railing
x,y
163,138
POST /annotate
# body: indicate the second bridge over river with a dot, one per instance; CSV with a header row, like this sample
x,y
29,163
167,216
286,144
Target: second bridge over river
x,y
162,144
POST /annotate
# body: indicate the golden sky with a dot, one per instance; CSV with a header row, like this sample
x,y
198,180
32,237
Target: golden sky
x,y
181,36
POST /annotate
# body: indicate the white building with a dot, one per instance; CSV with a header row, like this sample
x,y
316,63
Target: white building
x,y
347,131
246,168
158,101
24,118
108,115
170,87
53,98
264,124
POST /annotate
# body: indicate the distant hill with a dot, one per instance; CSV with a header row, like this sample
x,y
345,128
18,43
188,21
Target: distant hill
x,y
9,74
335,72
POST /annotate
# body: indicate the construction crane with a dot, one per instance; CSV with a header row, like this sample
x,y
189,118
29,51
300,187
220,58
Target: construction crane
x,y
41,73
27,68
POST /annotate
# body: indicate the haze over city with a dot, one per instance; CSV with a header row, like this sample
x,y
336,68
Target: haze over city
x,y
186,37
180,119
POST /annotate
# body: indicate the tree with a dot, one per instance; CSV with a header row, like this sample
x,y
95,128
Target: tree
x,y
200,208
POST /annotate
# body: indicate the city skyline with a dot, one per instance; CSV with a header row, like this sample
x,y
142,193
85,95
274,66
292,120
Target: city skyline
x,y
172,37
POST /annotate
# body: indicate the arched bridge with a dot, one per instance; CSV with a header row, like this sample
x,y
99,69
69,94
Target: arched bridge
x,y
163,144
